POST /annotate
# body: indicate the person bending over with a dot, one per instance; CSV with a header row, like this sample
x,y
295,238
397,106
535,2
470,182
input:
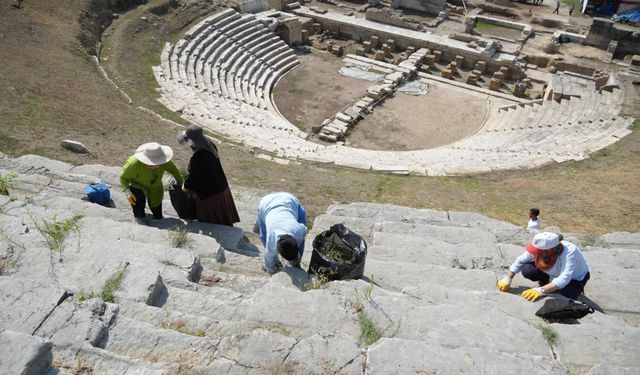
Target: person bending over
x,y
282,227
558,267
141,178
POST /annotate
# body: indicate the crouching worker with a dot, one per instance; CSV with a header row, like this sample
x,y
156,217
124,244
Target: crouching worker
x,y
546,257
282,227
141,178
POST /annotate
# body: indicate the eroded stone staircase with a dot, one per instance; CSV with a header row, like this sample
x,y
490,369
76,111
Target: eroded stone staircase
x,y
207,308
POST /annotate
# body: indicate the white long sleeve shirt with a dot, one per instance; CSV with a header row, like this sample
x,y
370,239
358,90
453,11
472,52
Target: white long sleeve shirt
x,y
533,224
280,214
570,265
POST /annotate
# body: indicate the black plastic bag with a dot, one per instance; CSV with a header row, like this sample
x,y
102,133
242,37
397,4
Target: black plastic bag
x,y
559,309
183,202
338,254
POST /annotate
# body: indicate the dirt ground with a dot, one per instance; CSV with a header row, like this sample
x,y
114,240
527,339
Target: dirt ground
x,y
407,122
307,102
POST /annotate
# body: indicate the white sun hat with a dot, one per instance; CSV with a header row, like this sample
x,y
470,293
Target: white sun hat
x,y
153,153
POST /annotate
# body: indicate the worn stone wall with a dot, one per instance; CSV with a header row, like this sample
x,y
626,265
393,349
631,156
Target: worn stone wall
x,y
629,45
427,6
389,17
603,31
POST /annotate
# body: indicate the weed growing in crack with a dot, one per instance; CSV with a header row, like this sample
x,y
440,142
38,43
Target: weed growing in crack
x,y
369,289
55,231
318,281
5,183
357,306
180,325
112,285
549,334
274,327
11,256
179,237
369,333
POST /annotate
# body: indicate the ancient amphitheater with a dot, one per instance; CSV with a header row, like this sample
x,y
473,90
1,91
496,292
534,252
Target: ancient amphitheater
x,y
222,74
85,291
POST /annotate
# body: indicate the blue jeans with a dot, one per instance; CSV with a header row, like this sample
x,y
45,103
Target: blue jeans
x,y
571,290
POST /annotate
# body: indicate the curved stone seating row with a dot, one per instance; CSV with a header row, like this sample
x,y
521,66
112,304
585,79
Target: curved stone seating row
x,y
224,70
222,73
570,128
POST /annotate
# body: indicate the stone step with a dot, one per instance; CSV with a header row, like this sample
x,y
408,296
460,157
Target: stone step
x,y
132,338
395,355
74,360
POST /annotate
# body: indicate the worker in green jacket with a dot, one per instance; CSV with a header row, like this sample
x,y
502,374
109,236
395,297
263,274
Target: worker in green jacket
x,y
141,178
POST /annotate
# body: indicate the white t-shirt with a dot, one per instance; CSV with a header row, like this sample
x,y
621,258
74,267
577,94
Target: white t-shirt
x,y
534,224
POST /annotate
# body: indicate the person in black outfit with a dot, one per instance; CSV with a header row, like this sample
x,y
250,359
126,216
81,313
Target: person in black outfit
x,y
207,179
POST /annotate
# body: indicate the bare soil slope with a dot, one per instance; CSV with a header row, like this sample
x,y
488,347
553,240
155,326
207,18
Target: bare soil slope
x,y
50,90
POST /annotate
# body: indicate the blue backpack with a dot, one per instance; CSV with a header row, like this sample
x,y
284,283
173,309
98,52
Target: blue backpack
x,y
98,193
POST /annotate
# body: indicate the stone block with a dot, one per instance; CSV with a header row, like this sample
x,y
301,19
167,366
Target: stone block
x,y
318,10
430,60
499,75
304,35
367,46
635,60
476,73
471,80
481,66
411,49
438,55
359,51
392,44
386,48
453,66
459,59
317,28
380,55
375,41
24,354
447,73
74,146
495,84
336,49
343,117
472,44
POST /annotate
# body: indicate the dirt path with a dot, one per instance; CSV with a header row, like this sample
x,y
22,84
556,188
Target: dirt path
x,y
407,122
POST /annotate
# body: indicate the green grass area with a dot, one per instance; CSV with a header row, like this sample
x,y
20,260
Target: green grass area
x,y
484,25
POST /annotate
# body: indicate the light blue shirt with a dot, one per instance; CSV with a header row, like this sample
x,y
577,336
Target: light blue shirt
x,y
570,265
280,214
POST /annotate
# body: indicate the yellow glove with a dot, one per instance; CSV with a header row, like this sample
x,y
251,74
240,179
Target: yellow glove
x,y
532,294
504,284
132,198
